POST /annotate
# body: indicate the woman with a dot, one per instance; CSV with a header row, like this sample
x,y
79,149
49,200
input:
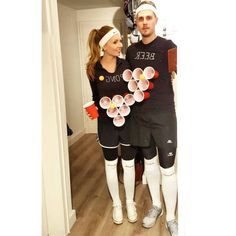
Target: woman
x,y
105,76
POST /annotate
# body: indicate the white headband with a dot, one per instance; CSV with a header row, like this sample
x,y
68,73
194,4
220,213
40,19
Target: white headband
x,y
107,36
146,7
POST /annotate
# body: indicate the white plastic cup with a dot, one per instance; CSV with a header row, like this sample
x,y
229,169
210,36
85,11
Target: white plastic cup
x,y
143,84
105,102
137,72
127,75
119,120
132,85
112,112
124,110
138,95
149,72
118,100
129,99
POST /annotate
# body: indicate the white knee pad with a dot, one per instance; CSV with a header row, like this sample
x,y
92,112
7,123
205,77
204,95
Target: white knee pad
x,y
168,171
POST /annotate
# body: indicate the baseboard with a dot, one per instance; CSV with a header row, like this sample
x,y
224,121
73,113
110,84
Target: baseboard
x,y
144,180
75,138
72,218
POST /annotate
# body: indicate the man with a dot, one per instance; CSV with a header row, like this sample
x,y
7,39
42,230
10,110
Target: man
x,y
153,121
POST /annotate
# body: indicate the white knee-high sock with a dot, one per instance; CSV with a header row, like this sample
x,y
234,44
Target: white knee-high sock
x,y
129,179
169,189
152,173
112,181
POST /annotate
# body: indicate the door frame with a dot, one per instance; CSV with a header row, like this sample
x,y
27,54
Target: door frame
x,y
58,215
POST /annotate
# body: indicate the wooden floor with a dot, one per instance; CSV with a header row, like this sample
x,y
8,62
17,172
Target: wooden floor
x,y
91,200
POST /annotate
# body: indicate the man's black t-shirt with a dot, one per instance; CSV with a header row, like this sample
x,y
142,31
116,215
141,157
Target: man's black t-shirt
x,y
154,54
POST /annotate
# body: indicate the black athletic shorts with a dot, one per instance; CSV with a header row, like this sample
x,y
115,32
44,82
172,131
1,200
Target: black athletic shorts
x,y
159,125
110,136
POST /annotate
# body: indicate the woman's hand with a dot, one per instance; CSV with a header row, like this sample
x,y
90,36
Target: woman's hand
x,y
88,114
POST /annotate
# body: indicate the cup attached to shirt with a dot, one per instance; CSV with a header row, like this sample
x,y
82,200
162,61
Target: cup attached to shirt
x,y
112,111
127,75
139,95
143,85
119,120
118,100
129,99
138,74
132,85
91,110
124,110
149,72
105,102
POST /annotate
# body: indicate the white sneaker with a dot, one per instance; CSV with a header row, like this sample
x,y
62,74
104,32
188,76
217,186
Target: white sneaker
x,y
150,219
172,227
117,214
131,212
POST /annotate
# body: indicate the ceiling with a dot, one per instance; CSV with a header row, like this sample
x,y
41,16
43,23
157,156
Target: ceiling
x,y
89,4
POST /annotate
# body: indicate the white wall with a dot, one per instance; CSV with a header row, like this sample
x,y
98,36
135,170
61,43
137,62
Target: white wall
x,y
71,71
167,18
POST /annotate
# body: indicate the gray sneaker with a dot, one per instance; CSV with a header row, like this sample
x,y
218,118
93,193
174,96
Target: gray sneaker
x,y
150,219
172,227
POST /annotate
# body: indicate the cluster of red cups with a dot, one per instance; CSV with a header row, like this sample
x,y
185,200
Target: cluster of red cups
x,y
138,83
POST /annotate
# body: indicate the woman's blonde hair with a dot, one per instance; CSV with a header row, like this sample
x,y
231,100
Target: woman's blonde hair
x,y
94,54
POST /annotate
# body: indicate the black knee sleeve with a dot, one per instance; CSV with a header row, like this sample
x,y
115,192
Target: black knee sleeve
x,y
128,152
110,154
149,152
167,156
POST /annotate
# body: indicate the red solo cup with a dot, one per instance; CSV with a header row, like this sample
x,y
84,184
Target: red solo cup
x,y
138,95
118,100
149,72
124,110
137,73
127,75
132,85
151,85
129,99
112,112
91,109
146,95
143,84
105,102
156,75
119,121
